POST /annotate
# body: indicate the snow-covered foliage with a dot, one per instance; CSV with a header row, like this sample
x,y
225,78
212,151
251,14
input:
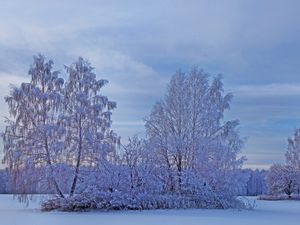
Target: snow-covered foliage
x,y
293,151
94,198
188,160
188,134
59,140
32,136
256,184
54,126
5,182
86,119
285,179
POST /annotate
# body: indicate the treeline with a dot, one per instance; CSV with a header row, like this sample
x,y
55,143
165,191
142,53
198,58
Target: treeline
x,y
255,186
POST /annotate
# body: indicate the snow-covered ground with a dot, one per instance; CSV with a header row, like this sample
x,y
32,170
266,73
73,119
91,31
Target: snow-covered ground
x,y
266,212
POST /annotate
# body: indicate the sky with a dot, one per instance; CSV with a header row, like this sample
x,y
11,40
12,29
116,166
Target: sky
x,y
139,45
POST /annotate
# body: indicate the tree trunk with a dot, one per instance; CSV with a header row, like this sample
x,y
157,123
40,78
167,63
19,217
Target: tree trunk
x,y
47,147
50,164
78,161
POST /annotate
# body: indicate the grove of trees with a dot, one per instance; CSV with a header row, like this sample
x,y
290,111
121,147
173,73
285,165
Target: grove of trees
x,y
58,139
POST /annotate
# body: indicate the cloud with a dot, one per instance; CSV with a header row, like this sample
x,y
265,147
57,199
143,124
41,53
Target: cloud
x,y
6,80
11,79
255,166
137,46
268,90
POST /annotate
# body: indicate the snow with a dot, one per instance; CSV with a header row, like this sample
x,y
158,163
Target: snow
x,y
267,212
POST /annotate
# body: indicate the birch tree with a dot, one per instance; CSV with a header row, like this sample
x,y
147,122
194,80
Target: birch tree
x,y
188,130
87,119
292,154
32,137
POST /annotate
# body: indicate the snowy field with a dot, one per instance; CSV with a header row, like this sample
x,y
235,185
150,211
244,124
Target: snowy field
x,y
266,212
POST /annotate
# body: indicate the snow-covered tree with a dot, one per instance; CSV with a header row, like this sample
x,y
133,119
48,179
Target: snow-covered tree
x,y
55,128
32,135
292,155
144,176
87,119
256,184
187,131
283,179
59,139
132,159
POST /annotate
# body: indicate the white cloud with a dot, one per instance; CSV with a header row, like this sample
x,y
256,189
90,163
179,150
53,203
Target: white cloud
x,y
6,80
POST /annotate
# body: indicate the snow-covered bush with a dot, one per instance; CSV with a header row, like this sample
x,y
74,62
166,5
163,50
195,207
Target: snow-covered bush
x,y
95,199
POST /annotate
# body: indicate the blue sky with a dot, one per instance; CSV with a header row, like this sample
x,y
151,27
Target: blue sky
x,y
138,45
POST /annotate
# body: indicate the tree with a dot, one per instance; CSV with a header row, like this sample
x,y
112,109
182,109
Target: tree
x,y
32,135
283,179
87,119
256,184
188,133
292,155
55,128
286,178
137,161
132,159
